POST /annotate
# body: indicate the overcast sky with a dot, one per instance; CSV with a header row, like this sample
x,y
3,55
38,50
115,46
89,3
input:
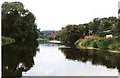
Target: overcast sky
x,y
119,4
55,14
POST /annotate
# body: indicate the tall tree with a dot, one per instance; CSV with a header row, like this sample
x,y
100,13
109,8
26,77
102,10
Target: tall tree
x,y
17,22
71,33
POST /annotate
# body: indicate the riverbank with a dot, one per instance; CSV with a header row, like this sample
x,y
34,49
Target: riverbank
x,y
92,42
92,48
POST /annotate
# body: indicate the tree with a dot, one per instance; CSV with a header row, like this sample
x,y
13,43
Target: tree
x,y
94,25
71,33
17,22
107,26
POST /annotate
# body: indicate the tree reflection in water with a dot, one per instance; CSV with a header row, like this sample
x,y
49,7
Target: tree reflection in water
x,y
108,59
17,57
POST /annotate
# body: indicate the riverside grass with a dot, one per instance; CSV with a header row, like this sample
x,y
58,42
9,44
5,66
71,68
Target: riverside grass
x,y
101,43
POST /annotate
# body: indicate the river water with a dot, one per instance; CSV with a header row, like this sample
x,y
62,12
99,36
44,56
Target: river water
x,y
57,60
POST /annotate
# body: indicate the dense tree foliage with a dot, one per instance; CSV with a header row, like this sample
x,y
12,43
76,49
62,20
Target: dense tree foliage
x,y
48,35
17,22
71,33
99,27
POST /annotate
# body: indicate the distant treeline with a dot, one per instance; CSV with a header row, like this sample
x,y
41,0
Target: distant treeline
x,y
48,35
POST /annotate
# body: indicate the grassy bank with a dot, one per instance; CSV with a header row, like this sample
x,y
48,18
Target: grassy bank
x,y
7,40
101,43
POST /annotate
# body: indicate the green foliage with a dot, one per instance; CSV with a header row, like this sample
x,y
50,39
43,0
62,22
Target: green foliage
x,y
49,35
71,33
57,35
93,43
108,24
87,42
115,45
103,43
94,25
7,40
102,34
90,43
118,28
99,26
17,22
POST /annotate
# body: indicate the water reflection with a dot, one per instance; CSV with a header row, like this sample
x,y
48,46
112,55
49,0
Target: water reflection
x,y
17,57
110,60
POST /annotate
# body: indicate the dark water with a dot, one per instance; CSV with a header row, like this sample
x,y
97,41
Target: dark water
x,y
31,59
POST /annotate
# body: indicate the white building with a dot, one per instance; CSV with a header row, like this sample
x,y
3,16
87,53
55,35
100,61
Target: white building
x,y
109,36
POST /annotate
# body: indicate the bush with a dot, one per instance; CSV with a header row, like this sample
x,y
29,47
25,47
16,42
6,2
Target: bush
x,y
94,44
91,43
102,34
103,43
87,43
115,45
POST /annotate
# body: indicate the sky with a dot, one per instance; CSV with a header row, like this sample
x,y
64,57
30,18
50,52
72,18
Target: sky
x,y
55,14
119,5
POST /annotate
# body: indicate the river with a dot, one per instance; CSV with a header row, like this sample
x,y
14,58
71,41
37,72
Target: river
x,y
57,60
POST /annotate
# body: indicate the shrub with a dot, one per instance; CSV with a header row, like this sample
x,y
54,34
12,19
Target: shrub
x,y
103,43
115,45
94,44
87,43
